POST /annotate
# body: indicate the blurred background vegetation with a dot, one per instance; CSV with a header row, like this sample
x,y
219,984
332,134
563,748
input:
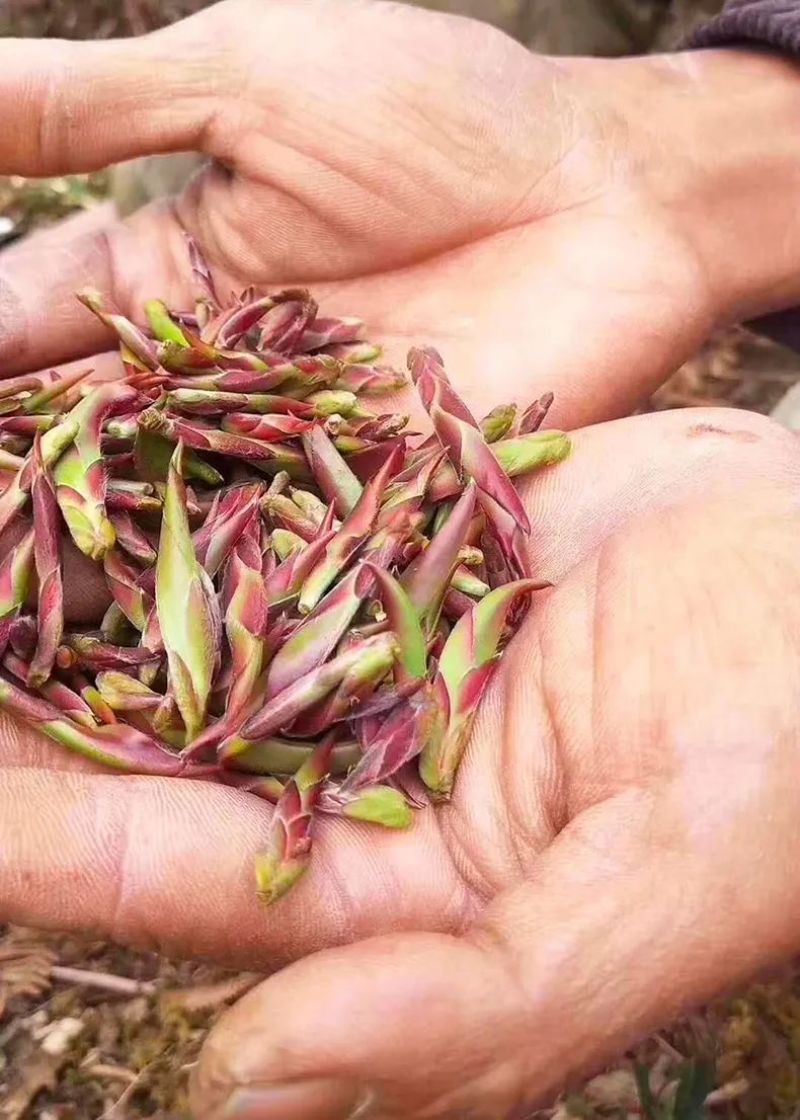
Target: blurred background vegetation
x,y
90,1031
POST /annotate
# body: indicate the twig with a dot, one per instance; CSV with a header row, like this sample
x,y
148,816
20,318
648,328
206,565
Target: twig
x,y
113,1073
730,1091
205,997
119,1110
104,981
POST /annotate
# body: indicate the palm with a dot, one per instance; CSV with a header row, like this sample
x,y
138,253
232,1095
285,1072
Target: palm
x,y
559,740
389,190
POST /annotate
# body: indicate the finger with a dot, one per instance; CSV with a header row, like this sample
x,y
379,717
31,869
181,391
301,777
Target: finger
x,y
150,861
79,106
41,321
94,218
622,926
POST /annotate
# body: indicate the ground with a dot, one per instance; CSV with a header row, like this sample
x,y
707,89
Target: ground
x,y
89,1030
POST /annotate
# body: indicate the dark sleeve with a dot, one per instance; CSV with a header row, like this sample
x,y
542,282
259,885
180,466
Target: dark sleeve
x,y
768,23
772,23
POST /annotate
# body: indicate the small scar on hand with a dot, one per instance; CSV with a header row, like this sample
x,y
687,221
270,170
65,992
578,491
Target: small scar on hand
x,y
739,435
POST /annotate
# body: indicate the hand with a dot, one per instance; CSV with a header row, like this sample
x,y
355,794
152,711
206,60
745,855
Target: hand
x,y
622,842
575,224
586,883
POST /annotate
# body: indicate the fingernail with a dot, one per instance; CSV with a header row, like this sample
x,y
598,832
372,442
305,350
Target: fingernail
x,y
322,1099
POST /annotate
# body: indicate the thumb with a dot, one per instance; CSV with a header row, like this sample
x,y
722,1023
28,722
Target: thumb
x,y
72,106
618,931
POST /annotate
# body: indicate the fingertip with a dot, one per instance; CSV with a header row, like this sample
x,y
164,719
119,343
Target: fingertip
x,y
421,1024
315,1099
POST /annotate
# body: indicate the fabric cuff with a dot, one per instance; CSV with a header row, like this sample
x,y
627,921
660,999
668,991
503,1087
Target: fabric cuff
x,y
772,23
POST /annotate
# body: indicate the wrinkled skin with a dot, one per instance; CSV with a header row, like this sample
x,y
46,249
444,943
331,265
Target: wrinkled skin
x,y
623,835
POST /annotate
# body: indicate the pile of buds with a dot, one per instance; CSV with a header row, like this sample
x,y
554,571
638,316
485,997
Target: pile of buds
x,y
306,600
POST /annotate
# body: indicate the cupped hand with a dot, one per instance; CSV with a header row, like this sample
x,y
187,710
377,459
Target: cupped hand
x,y
621,840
